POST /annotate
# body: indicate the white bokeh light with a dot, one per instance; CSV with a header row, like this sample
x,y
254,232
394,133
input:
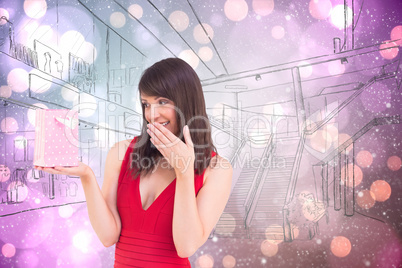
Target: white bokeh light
x,y
20,142
305,69
236,10
190,57
117,19
4,13
338,16
179,20
32,113
66,211
17,80
35,8
82,241
135,11
39,85
199,33
205,53
87,106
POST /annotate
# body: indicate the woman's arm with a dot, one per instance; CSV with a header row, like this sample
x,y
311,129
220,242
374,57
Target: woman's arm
x,y
195,217
102,208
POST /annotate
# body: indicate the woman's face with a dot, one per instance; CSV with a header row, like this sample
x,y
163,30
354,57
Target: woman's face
x,y
161,110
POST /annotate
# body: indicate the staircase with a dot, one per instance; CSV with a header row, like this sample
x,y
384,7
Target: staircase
x,y
267,219
231,223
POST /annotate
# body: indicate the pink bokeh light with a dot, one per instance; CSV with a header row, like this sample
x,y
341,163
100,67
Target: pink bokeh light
x,y
394,163
364,159
35,8
396,34
21,190
5,92
389,50
336,68
9,125
263,7
17,80
8,250
236,10
320,9
278,32
4,12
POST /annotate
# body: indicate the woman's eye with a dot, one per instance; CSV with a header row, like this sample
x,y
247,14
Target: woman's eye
x,y
145,104
162,102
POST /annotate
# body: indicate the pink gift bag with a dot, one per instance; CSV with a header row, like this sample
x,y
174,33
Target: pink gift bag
x,y
56,138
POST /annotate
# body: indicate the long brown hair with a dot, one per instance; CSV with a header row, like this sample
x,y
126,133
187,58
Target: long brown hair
x,y
175,80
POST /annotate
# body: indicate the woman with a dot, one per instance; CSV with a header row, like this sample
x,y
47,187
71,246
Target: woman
x,y
163,191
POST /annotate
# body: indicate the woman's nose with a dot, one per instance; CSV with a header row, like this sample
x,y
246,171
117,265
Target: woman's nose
x,y
154,113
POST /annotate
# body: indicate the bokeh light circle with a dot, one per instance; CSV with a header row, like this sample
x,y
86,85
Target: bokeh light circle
x,y
205,53
179,20
321,141
343,137
278,32
18,80
5,91
38,85
389,50
320,9
396,33
66,211
190,57
27,259
364,159
263,7
8,250
356,172
272,234
21,190
82,241
35,8
20,142
338,16
199,33
269,249
205,261
236,10
305,69
71,41
86,105
394,163
365,199
381,190
336,68
117,19
9,125
228,261
135,11
4,13
341,246
31,114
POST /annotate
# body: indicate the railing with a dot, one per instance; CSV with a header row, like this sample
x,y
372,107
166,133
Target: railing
x,y
291,188
266,156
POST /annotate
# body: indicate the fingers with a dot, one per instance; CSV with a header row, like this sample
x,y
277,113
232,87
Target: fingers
x,y
187,136
161,136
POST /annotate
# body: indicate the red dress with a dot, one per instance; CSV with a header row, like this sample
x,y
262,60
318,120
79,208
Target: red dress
x,y
146,238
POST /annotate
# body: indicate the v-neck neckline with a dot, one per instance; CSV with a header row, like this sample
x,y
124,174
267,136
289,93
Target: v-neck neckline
x,y
156,199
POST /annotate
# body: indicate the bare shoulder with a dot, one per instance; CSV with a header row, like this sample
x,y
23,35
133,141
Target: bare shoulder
x,y
113,163
219,167
118,150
